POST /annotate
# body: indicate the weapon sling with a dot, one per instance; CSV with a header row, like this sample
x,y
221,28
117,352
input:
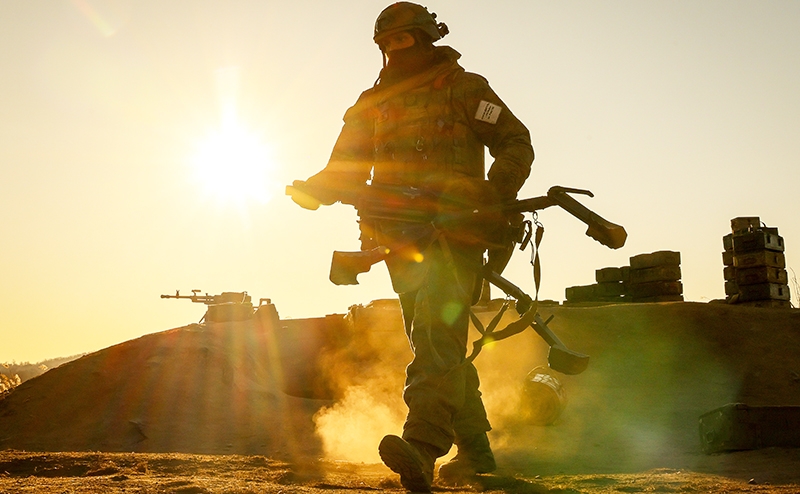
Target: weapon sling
x,y
488,334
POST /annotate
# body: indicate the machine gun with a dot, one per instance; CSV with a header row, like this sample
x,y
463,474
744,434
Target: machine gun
x,y
418,205
421,206
225,307
222,298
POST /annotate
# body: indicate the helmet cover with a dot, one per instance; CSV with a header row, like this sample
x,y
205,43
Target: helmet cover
x,y
404,16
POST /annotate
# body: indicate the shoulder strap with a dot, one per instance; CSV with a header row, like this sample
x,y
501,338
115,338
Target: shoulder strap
x,y
372,97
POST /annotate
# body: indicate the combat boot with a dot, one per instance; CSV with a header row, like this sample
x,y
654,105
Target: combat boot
x,y
409,459
474,456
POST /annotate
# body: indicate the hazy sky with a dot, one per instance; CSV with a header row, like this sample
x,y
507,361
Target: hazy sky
x,y
116,185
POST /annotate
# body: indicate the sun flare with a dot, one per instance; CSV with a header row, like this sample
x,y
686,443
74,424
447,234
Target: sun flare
x,y
233,165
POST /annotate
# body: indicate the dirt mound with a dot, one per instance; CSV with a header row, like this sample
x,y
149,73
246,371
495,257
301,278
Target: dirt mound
x,y
220,389
199,388
655,369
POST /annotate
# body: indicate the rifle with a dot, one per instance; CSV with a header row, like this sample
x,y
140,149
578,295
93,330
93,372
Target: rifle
x,y
418,205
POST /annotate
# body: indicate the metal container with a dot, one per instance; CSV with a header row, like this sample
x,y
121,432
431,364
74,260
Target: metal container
x,y
737,426
543,398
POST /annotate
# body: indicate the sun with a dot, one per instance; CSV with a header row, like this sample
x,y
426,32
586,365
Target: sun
x,y
232,164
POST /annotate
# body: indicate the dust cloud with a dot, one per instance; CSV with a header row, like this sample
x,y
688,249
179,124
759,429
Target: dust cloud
x,y
370,404
352,428
367,374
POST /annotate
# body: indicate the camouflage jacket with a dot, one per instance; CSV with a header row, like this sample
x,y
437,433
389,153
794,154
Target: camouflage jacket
x,y
430,130
432,126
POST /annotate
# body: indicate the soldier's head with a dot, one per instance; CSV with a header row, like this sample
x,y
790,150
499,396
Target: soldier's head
x,y
404,25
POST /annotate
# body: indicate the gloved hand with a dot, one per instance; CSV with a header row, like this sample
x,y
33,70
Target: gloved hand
x,y
298,191
311,193
504,187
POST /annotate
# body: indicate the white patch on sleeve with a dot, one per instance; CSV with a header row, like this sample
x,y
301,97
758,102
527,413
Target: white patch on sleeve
x,y
488,112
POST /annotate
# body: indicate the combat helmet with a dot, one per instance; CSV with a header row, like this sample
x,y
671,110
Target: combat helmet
x,y
404,16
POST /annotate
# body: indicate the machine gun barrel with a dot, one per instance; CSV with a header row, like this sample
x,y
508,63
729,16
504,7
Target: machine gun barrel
x,y
194,297
223,298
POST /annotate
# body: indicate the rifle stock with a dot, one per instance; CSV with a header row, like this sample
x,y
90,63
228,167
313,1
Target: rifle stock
x,y
607,233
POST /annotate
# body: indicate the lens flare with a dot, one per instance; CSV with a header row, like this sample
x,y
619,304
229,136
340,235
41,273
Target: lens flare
x,y
108,16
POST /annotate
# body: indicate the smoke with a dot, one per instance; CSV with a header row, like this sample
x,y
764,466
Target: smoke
x,y
352,428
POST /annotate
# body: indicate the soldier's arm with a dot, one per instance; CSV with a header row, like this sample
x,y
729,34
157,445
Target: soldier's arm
x,y
350,163
506,137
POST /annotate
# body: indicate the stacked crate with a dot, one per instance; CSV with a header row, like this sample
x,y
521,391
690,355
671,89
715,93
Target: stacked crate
x,y
612,282
656,277
610,288
755,265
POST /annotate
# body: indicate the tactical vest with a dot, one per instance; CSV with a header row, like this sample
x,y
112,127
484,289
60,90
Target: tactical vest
x,y
419,136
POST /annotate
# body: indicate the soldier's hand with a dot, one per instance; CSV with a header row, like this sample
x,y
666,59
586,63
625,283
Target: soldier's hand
x,y
299,194
504,188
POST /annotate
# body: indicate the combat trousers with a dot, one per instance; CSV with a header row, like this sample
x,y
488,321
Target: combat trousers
x,y
441,389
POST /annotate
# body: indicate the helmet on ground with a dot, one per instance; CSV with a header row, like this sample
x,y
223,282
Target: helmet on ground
x,y
405,16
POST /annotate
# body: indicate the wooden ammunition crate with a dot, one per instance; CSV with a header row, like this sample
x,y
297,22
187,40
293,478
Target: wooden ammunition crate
x,y
606,275
727,242
759,258
609,289
772,304
731,287
763,291
729,273
658,298
669,272
737,426
582,293
660,258
745,224
727,258
655,288
757,240
761,274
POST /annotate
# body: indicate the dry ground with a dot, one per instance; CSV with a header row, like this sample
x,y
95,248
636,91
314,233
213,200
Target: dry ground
x,y
772,470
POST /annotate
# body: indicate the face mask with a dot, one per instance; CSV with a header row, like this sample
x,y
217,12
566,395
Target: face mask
x,y
407,62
